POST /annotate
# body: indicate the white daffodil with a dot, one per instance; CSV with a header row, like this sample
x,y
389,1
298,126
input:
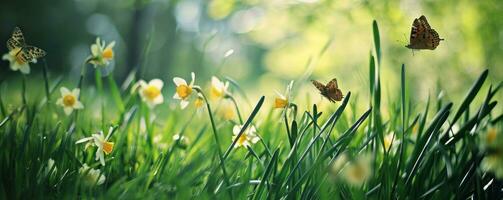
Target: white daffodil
x,y
492,143
226,110
69,100
91,176
218,88
248,137
16,63
99,140
101,54
354,171
183,90
282,101
199,102
358,171
151,92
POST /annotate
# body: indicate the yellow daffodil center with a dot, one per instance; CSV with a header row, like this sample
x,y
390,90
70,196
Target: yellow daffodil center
x,y
280,103
242,139
216,92
69,100
199,102
108,147
151,92
227,112
357,172
183,91
108,53
491,135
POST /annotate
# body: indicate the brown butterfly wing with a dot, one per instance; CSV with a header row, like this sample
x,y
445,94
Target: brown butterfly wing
x,y
419,33
16,40
333,93
424,22
432,40
338,95
318,86
332,83
322,88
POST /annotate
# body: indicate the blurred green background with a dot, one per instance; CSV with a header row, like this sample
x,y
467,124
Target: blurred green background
x,y
272,40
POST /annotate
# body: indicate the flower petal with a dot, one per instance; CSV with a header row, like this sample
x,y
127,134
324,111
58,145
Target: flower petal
x,y
159,99
184,104
156,83
59,101
236,129
78,105
76,92
176,96
84,140
95,50
68,110
64,91
193,75
110,45
179,81
24,68
6,56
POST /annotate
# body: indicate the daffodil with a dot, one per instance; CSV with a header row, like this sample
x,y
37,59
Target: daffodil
x,y
99,140
218,88
91,176
354,171
199,102
491,136
101,54
493,145
248,137
69,100
16,63
358,171
183,90
226,110
151,92
283,100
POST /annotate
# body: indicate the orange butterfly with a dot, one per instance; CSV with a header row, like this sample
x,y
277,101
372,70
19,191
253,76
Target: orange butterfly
x,y
422,36
330,91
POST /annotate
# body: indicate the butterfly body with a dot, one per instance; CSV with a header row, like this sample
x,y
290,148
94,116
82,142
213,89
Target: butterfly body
x,y
330,91
24,53
422,36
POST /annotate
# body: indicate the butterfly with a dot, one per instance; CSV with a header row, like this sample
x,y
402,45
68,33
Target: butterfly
x,y
422,36
331,91
26,53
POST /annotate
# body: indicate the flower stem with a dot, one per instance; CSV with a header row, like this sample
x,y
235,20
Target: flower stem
x,y
23,88
46,80
217,141
235,106
99,85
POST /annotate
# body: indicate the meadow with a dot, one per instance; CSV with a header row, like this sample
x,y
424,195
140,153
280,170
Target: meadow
x,y
183,116
109,141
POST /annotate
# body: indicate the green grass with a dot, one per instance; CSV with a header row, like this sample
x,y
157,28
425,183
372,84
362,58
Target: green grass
x,y
429,158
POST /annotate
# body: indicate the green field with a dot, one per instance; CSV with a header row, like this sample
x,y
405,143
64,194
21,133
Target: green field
x,y
109,132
